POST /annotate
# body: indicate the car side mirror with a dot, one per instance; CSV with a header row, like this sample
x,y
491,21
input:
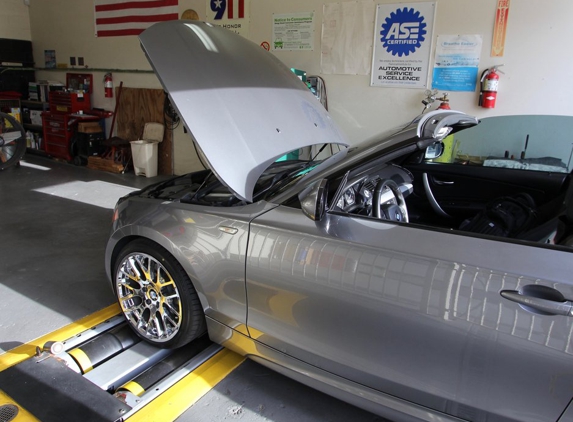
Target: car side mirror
x,y
313,200
434,151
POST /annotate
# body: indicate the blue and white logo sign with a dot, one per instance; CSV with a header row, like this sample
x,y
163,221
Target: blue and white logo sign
x,y
402,43
403,32
230,14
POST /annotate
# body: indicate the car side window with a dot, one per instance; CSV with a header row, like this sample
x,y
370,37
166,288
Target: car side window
x,y
536,143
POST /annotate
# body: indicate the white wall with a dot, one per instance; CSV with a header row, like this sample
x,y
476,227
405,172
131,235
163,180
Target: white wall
x,y
536,63
536,79
14,20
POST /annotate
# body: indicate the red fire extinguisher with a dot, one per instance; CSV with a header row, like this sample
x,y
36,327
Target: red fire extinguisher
x,y
108,85
489,86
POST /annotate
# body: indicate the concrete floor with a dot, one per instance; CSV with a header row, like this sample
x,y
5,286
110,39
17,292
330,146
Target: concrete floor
x,y
55,220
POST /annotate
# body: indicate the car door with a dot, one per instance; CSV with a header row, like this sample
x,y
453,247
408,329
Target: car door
x,y
414,312
501,156
461,191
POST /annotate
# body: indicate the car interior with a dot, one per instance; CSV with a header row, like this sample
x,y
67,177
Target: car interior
x,y
456,194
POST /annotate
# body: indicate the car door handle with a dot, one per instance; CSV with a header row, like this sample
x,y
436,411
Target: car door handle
x,y
443,182
431,198
539,305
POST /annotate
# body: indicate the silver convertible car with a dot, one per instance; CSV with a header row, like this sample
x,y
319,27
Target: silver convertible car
x,y
375,272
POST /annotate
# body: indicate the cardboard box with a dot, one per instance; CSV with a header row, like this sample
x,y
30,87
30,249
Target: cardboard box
x,y
89,127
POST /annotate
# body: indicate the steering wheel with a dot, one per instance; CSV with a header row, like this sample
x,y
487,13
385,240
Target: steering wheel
x,y
393,212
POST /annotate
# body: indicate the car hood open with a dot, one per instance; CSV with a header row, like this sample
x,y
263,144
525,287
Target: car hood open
x,y
244,108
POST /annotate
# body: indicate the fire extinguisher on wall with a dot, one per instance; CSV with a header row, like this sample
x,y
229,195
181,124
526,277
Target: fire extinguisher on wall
x,y
489,87
108,85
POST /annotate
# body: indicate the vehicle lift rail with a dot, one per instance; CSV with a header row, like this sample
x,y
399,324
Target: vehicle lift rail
x,y
105,373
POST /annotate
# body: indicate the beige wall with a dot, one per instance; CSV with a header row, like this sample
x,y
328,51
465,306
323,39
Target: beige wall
x,y
536,79
14,20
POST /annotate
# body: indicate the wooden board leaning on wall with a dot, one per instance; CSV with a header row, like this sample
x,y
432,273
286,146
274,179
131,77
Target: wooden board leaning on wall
x,y
137,107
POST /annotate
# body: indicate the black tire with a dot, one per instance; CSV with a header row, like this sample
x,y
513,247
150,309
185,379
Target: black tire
x,y
160,304
12,141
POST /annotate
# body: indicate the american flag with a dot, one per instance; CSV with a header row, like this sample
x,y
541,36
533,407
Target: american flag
x,y
235,9
124,17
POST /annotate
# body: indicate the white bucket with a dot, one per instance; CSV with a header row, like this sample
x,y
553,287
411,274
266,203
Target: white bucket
x,y
144,154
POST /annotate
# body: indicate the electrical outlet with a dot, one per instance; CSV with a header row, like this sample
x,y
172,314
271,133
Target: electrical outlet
x,y
80,61
72,61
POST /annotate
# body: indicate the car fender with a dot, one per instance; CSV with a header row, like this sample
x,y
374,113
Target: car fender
x,y
128,233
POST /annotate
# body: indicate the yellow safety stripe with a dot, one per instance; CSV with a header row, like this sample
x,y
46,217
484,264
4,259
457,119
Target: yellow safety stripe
x,y
82,359
23,415
133,388
182,395
23,352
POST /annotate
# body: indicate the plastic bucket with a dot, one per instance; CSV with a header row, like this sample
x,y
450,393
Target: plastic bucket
x,y
144,154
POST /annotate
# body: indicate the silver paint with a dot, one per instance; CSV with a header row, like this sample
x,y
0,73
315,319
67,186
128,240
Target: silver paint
x,y
238,100
413,313
403,320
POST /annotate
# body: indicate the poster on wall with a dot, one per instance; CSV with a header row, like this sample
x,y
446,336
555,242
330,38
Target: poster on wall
x,y
402,44
293,31
346,39
456,63
230,14
50,59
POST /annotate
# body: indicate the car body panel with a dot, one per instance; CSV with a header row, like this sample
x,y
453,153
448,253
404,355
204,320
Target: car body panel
x,y
393,408
414,313
405,320
200,239
244,108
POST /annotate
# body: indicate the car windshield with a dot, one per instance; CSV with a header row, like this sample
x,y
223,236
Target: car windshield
x,y
519,142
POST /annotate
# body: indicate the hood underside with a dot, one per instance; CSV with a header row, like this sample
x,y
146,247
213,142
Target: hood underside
x,y
244,108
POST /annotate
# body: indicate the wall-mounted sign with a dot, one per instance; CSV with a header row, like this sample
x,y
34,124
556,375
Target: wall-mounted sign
x,y
402,44
457,61
230,14
293,31
500,28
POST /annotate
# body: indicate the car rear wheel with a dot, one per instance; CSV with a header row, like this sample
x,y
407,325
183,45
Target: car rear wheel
x,y
157,296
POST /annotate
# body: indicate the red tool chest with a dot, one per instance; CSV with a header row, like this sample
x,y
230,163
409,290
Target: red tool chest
x,y
57,135
69,102
60,123
58,131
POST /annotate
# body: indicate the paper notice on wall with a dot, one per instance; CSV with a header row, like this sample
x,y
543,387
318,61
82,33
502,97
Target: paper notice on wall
x,y
456,63
402,44
500,28
293,31
50,59
230,14
346,45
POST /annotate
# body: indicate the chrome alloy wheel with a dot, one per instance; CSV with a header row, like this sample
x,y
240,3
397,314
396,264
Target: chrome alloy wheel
x,y
149,297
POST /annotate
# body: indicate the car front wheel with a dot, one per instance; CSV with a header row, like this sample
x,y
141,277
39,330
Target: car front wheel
x,y
157,296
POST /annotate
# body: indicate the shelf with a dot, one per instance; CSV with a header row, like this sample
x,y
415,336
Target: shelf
x,y
29,126
35,103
